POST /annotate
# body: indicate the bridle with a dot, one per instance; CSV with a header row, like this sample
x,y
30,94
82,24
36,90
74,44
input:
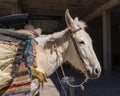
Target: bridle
x,y
75,44
82,61
76,47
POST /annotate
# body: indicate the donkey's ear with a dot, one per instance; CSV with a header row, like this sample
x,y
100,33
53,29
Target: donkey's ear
x,y
68,18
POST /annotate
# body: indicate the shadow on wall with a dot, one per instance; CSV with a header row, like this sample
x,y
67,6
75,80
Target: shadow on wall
x,y
47,26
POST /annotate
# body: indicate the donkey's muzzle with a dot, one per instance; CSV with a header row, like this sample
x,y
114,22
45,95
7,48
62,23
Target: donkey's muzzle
x,y
94,74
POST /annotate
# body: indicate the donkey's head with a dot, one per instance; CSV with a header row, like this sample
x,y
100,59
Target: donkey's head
x,y
82,48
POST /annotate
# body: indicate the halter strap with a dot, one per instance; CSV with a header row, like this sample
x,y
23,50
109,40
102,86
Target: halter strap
x,y
75,31
76,44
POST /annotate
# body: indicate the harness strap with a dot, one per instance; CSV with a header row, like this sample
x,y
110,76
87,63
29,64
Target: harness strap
x,y
76,48
75,45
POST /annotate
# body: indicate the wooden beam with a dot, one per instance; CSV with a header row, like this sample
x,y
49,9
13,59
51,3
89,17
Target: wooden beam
x,y
101,9
9,1
106,41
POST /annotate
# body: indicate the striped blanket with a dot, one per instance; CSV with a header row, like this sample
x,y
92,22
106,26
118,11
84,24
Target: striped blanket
x,y
20,85
15,61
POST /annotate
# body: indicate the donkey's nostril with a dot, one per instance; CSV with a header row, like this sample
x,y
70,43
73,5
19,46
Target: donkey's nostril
x,y
96,71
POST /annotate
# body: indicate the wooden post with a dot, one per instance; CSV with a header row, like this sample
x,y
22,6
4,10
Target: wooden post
x,y
107,6
15,8
106,41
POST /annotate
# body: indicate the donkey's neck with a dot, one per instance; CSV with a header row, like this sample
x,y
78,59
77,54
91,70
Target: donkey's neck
x,y
50,57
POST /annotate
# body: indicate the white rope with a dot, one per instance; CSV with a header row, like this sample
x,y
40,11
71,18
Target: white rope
x,y
71,85
62,71
80,85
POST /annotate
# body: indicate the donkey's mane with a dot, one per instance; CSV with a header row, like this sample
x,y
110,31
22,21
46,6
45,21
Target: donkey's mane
x,y
82,24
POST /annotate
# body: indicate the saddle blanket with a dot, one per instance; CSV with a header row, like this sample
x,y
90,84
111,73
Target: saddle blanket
x,y
14,69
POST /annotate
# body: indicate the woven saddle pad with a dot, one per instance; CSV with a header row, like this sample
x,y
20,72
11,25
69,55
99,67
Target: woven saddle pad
x,y
15,63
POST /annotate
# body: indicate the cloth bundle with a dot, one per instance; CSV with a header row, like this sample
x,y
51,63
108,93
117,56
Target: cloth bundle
x,y
8,51
16,58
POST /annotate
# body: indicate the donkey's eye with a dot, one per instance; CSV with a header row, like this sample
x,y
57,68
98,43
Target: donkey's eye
x,y
81,42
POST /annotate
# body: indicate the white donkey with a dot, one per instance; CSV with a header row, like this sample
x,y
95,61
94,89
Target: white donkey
x,y
73,45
